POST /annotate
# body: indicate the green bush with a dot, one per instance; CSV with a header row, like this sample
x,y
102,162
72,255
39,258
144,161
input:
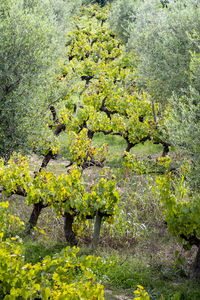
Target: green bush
x,y
65,276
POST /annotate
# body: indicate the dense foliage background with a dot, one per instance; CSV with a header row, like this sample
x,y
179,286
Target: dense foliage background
x,y
103,99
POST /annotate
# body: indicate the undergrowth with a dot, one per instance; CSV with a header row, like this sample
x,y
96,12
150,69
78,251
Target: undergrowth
x,y
136,247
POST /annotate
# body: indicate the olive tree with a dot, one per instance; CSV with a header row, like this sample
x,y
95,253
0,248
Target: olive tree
x,y
160,40
184,123
100,2
124,13
31,43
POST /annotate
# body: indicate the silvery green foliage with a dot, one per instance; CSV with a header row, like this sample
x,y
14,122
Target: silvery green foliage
x,y
184,132
160,40
123,14
100,2
63,10
184,122
195,62
30,47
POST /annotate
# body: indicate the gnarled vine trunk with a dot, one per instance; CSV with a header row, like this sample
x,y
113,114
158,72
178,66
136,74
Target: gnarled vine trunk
x,y
196,266
70,236
165,149
194,240
97,229
34,216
